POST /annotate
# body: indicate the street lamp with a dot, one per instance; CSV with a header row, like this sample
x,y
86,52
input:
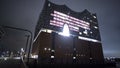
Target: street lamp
x,y
26,46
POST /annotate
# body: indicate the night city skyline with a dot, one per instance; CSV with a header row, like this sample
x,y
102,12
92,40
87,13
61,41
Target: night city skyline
x,y
25,14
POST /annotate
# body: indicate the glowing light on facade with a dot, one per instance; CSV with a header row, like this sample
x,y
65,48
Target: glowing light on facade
x,y
59,19
52,56
74,57
49,31
85,32
95,27
49,49
45,49
87,39
66,31
94,16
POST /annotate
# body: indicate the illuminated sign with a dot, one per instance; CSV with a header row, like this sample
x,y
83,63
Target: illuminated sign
x,y
59,19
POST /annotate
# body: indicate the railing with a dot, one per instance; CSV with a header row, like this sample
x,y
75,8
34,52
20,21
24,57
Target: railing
x,y
31,36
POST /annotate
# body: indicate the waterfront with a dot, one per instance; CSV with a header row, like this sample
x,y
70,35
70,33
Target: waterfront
x,y
17,63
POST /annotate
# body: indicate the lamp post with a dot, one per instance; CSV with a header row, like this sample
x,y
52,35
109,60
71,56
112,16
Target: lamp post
x,y
26,46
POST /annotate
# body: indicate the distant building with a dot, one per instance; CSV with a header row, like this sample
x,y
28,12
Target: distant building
x,y
1,32
82,46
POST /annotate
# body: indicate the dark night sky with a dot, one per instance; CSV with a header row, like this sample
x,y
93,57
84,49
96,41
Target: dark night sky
x,y
25,13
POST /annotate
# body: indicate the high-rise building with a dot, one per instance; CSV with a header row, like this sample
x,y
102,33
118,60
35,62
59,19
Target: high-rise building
x,y
78,43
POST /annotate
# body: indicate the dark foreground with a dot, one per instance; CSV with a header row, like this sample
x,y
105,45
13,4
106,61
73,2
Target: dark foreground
x,y
18,63
72,66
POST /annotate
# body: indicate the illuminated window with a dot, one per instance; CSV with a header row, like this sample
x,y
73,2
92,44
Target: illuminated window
x,y
94,16
43,30
52,50
45,49
59,19
34,56
91,21
95,27
52,56
80,33
49,4
91,32
88,39
85,32
49,31
74,57
49,49
90,58
22,50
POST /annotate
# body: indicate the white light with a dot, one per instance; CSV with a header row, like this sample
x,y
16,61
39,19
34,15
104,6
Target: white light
x,y
22,50
74,57
61,18
66,31
49,31
49,4
16,57
91,32
43,30
88,39
52,56
34,56
5,58
90,20
90,58
95,27
45,49
49,49
52,50
80,33
94,16
85,32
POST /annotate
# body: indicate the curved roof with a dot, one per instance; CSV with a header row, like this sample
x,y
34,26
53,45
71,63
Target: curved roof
x,y
49,7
